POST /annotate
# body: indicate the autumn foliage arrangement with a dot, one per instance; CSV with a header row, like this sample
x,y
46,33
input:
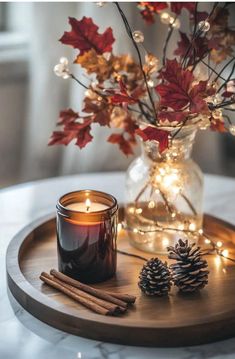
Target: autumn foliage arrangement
x,y
151,95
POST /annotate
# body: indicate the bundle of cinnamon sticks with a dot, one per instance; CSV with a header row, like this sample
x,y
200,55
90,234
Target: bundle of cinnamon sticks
x,y
97,300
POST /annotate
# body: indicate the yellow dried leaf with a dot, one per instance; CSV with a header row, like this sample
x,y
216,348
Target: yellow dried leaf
x,y
94,63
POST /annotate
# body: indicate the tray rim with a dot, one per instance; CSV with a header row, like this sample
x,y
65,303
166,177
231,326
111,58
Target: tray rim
x,y
18,284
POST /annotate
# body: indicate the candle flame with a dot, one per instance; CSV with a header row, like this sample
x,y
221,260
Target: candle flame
x,y
88,204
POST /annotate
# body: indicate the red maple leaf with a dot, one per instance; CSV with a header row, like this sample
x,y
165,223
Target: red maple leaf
x,y
124,145
149,9
130,126
123,96
174,93
197,95
98,110
119,98
67,116
172,116
177,90
84,36
177,7
154,134
60,138
72,131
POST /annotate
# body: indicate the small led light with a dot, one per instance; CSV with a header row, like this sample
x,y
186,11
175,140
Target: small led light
x,y
181,227
219,244
165,242
207,241
150,83
225,253
151,60
176,24
138,210
131,210
192,226
173,214
217,99
176,190
151,204
162,171
200,231
135,230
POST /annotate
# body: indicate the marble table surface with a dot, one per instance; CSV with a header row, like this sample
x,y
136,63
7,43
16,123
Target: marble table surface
x,y
24,337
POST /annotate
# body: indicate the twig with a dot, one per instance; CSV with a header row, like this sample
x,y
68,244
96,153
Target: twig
x,y
195,34
213,70
189,204
141,192
79,82
229,109
223,104
129,32
228,79
170,31
223,68
168,206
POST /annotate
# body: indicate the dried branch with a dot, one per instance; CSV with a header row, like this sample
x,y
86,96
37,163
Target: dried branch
x,y
170,31
129,32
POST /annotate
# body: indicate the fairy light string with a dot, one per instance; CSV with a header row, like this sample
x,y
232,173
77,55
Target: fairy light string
x,y
216,246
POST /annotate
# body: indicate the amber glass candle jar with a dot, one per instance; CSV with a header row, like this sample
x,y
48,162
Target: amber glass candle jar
x,y
86,235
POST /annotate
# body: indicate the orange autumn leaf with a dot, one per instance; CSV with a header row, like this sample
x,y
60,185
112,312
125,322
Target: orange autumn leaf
x,y
104,68
95,63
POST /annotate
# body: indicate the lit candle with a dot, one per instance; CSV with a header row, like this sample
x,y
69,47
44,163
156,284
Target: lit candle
x,y
87,206
86,235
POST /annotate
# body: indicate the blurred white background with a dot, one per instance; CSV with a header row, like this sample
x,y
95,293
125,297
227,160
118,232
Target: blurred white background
x,y
31,96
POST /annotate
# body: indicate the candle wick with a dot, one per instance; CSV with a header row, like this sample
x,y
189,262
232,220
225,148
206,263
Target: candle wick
x,y
88,208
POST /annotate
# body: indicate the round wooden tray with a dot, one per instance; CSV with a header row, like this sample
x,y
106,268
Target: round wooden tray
x,y
177,320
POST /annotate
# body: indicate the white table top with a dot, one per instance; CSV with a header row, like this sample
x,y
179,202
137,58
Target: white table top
x,y
24,337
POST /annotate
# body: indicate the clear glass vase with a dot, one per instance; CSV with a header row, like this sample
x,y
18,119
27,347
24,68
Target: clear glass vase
x,y
164,195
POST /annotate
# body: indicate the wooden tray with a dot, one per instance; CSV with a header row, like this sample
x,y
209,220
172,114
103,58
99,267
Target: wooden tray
x,y
178,320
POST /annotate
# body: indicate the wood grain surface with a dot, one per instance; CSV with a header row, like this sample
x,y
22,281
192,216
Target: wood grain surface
x,y
177,320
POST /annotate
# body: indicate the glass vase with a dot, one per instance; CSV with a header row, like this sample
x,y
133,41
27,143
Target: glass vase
x,y
164,194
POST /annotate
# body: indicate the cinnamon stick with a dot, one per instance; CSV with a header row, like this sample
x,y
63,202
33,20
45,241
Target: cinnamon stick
x,y
130,299
114,309
85,302
93,291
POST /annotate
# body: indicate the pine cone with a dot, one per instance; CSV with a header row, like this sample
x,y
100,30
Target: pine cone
x,y
189,273
155,278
